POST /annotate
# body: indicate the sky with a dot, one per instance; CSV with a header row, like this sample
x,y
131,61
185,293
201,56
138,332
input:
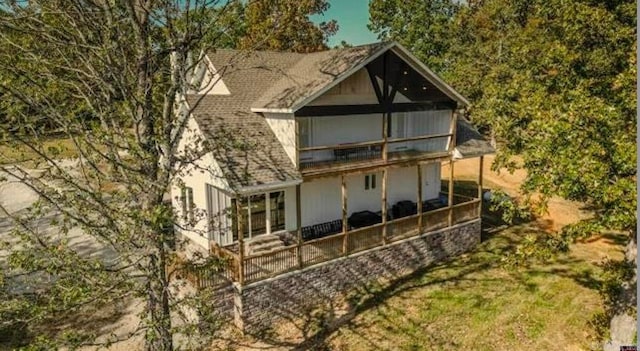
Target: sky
x,y
352,17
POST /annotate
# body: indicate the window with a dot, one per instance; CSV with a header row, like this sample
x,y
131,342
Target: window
x,y
369,181
188,206
304,131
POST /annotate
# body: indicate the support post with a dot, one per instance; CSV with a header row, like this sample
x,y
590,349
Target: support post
x,y
480,186
450,199
267,212
384,205
299,225
419,168
345,226
240,240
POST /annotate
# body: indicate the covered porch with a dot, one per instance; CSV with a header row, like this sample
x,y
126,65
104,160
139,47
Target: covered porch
x,y
396,209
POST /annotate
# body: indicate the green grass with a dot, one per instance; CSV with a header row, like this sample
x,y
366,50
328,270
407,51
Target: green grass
x,y
58,148
476,302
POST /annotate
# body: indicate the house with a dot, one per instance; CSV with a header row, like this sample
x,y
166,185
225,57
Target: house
x,y
314,157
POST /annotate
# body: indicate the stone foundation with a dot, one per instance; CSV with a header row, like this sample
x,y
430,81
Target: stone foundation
x,y
301,294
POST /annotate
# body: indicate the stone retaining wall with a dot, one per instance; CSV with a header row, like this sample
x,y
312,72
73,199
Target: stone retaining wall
x,y
299,295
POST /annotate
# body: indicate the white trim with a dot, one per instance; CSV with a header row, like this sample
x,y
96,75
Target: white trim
x,y
271,110
249,190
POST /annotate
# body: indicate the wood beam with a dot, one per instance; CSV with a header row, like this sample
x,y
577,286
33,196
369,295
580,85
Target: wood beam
x,y
419,169
342,110
240,241
374,83
480,186
299,224
345,226
384,205
450,199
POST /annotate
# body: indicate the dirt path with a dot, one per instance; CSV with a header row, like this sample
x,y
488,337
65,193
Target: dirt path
x,y
560,213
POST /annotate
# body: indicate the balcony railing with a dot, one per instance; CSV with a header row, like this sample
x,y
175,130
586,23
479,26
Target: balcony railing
x,y
307,253
319,156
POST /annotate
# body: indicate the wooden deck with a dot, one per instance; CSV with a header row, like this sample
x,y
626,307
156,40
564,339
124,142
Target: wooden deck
x,y
304,254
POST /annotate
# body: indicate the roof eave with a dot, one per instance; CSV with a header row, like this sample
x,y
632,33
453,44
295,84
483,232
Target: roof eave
x,y
271,110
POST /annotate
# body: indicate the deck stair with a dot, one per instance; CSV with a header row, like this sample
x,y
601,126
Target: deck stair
x,y
263,244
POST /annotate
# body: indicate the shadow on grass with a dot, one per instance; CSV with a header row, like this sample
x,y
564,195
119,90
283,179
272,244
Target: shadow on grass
x,y
317,326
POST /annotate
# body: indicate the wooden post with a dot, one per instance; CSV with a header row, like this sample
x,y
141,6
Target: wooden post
x,y
480,187
240,240
299,224
419,167
345,227
384,206
453,128
450,199
385,135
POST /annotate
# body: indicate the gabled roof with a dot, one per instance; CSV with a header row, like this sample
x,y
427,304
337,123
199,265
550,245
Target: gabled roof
x,y
314,74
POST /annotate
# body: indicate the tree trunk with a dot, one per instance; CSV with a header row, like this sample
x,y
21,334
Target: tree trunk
x,y
159,336
623,326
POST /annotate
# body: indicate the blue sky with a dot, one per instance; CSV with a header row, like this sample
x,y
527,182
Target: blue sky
x,y
352,17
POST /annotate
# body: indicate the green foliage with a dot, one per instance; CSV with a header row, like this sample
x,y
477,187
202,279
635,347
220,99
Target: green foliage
x,y
554,82
285,26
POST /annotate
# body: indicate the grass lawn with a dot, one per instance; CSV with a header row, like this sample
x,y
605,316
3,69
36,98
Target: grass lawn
x,y
63,148
476,302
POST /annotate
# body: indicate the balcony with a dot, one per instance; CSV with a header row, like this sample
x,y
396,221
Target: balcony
x,y
330,142
328,156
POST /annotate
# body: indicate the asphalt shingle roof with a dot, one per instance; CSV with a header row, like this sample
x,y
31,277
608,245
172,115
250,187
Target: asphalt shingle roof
x,y
469,142
242,142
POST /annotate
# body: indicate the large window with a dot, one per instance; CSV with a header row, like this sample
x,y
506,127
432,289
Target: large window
x,y
259,216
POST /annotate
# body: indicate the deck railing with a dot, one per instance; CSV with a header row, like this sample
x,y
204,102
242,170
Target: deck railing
x,y
364,238
402,228
265,265
318,156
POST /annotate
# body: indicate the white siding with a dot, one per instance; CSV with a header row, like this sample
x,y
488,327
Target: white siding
x,y
355,90
402,185
196,176
284,127
360,199
290,222
321,201
212,83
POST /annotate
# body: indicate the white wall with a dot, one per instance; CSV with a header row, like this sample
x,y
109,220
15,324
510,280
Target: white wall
x,y
403,183
212,83
321,201
361,199
284,127
355,90
196,175
290,222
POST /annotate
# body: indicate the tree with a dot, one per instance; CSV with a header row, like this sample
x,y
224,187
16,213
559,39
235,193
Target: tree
x,y
126,64
429,35
554,82
285,25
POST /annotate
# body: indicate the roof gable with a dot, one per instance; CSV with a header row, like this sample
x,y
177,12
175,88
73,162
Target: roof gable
x,y
317,73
